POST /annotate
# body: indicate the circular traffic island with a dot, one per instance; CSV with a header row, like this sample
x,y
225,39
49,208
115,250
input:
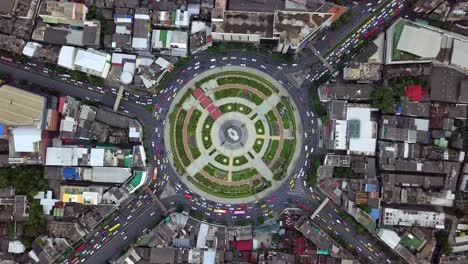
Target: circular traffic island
x,y
233,133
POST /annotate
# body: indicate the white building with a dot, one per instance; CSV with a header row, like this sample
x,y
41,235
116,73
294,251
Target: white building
x,y
67,57
392,216
93,62
170,42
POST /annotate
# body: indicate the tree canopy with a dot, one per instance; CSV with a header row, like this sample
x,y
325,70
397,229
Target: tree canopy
x,y
27,180
383,99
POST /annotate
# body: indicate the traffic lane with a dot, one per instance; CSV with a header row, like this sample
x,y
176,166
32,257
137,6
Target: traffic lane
x,y
345,230
47,82
102,234
132,231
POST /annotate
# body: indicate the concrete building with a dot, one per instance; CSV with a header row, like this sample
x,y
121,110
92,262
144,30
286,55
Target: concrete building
x,y
93,62
14,111
141,30
54,12
350,128
91,195
362,72
392,216
169,42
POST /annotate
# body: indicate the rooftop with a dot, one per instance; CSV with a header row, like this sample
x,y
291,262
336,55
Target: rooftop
x,y
445,84
257,23
14,111
420,42
351,92
293,27
392,216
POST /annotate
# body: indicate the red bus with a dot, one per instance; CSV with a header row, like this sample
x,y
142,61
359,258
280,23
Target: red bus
x,y
79,248
188,196
155,173
6,59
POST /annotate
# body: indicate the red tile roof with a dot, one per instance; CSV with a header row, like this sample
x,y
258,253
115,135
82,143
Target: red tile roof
x,y
245,245
414,92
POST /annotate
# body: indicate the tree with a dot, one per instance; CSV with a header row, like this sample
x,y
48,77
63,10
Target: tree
x,y
365,207
179,208
383,99
442,242
275,238
260,219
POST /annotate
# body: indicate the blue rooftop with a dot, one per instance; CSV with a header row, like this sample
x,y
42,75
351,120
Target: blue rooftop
x,y
375,213
71,173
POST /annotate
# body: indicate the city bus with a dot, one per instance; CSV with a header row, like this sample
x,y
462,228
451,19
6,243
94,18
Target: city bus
x,y
239,212
7,59
155,173
79,248
114,227
219,211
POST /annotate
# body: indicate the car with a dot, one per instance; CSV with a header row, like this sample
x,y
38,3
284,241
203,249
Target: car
x,y
152,213
213,60
212,66
125,237
254,60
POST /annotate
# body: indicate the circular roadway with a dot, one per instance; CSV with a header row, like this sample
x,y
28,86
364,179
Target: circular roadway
x,y
233,134
282,197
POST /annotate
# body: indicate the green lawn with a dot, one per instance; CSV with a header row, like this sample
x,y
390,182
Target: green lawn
x,y
272,148
235,107
290,112
220,190
244,174
244,81
255,99
226,93
240,160
258,145
206,131
193,121
259,128
215,172
222,159
179,138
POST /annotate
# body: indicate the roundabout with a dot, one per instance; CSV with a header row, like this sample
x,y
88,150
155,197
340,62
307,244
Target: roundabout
x,y
234,134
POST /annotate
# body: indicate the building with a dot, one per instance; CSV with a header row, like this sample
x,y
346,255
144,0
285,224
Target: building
x,y
54,12
141,30
200,36
122,38
395,217
14,112
93,62
83,33
171,19
350,128
420,42
169,42
349,92
91,195
283,31
12,206
84,122
362,72
412,42
93,157
89,61
406,129
25,124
